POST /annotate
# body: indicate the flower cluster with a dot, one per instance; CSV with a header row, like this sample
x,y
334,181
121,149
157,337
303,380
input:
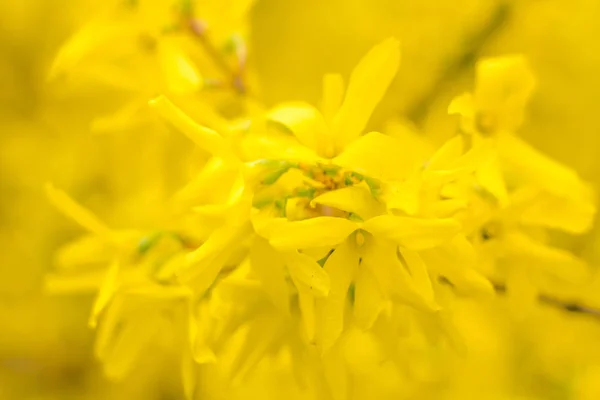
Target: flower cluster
x,y
306,243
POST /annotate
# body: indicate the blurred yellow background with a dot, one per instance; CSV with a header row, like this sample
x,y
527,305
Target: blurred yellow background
x,y
44,135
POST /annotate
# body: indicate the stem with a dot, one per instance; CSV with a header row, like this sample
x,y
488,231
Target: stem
x,y
568,306
198,30
473,45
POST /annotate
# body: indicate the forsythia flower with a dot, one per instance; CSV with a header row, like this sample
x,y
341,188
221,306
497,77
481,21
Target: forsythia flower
x,y
308,246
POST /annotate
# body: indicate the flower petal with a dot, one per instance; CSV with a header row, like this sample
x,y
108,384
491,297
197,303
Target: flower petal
x,y
308,272
306,123
558,262
413,233
271,271
456,261
181,75
368,83
380,256
526,164
355,199
333,95
203,137
313,232
205,263
340,266
377,156
77,213
489,176
107,289
368,298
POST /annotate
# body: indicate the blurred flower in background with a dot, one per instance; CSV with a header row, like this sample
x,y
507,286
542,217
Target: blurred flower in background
x,y
186,283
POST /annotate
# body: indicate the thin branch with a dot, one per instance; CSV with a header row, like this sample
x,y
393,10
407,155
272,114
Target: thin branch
x,y
569,306
473,45
198,28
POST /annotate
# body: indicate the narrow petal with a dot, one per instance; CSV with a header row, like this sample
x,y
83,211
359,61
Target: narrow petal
x,y
205,138
313,232
462,105
306,302
368,83
83,252
309,273
305,122
380,256
333,95
197,330
368,298
456,261
205,263
336,374
129,345
418,271
558,262
413,233
377,156
189,375
355,199
340,266
107,289
77,213
525,164
270,269
534,207
489,175
180,73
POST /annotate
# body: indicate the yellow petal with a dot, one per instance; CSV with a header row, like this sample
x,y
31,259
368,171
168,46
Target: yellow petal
x,y
180,73
368,83
306,123
77,213
447,154
504,85
405,195
558,262
377,156
199,323
107,289
83,252
456,260
336,374
271,271
418,271
462,105
368,298
82,282
526,164
308,272
205,138
333,95
85,41
355,199
380,257
413,233
205,263
307,307
189,374
340,266
313,232
540,208
133,338
489,176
